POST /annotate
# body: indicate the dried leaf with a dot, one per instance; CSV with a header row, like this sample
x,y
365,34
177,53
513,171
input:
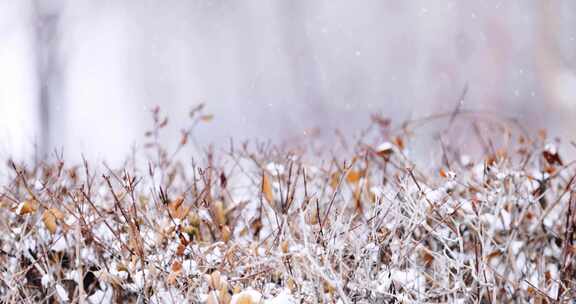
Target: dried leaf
x,y
426,257
358,199
384,150
180,249
399,142
49,221
284,246
177,208
212,298
354,176
443,173
207,117
291,284
247,297
172,278
214,280
26,207
552,158
548,277
57,213
334,180
176,266
493,254
219,214
223,295
267,189
226,233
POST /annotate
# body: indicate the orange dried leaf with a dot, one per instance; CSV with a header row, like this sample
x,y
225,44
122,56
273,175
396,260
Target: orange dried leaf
x,y
207,117
267,189
399,142
171,279
548,277
176,266
443,173
26,207
354,176
493,254
180,249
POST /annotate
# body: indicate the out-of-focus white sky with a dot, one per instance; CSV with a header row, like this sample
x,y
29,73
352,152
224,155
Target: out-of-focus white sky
x,y
273,69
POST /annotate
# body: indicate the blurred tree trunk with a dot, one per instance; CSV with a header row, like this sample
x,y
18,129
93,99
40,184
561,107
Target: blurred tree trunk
x,y
46,27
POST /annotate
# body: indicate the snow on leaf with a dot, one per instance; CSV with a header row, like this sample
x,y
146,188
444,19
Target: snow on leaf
x,y
26,207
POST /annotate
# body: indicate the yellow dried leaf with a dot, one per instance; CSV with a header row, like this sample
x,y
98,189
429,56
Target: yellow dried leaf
x,y
313,217
194,219
223,295
49,221
236,289
57,213
334,180
291,284
267,189
328,287
284,246
219,214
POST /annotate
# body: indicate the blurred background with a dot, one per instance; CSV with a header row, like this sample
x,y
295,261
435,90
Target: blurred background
x,y
82,75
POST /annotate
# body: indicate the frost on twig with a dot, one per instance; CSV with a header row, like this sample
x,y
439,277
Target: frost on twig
x,y
254,222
